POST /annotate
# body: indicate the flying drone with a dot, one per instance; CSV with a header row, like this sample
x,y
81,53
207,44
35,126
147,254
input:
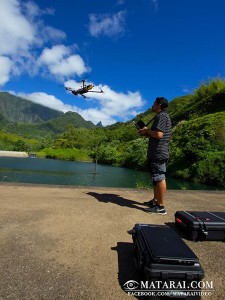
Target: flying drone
x,y
85,88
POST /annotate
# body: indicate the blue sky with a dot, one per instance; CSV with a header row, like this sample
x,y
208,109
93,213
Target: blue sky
x,y
134,50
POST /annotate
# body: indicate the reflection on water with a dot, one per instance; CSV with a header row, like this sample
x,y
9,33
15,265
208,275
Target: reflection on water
x,y
48,171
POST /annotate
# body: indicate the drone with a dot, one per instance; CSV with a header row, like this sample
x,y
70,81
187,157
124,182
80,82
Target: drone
x,y
85,88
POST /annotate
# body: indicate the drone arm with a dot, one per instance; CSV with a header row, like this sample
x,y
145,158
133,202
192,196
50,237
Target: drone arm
x,y
69,89
95,91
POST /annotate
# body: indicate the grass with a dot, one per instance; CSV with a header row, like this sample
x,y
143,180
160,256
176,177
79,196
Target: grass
x,y
64,154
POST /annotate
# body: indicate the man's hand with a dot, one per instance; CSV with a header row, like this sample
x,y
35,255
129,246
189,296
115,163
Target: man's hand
x,y
156,134
144,131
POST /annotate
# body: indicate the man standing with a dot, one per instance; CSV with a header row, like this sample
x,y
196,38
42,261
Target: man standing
x,y
158,154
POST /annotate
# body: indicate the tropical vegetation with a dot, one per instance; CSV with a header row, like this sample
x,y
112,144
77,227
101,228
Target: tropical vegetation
x,y
197,143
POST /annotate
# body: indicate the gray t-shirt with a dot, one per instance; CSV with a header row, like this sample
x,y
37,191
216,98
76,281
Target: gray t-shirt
x,y
158,149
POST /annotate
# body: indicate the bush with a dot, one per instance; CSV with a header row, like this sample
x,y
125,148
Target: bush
x,y
210,168
135,155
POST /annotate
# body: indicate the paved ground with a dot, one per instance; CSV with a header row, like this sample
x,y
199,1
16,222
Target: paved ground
x,y
72,243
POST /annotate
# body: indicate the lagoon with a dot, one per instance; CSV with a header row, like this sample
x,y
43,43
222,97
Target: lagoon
x,y
59,172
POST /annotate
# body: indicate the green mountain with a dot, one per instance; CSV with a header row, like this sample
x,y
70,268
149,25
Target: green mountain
x,y
16,109
30,120
3,120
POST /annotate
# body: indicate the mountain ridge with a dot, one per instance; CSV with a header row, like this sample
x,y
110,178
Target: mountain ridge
x,y
17,109
18,115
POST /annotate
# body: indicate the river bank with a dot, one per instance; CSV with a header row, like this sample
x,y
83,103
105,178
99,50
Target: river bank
x,y
60,242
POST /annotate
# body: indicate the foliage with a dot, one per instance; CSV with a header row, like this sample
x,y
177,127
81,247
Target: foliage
x,y
192,146
64,154
13,142
60,123
208,98
208,168
143,186
21,146
108,153
135,155
197,143
209,89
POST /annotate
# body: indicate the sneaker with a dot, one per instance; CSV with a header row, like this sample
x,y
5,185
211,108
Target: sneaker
x,y
160,210
151,203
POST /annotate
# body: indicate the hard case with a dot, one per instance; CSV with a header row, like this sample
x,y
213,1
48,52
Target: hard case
x,y
201,225
163,256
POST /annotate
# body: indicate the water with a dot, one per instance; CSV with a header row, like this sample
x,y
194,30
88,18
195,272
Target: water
x,y
49,171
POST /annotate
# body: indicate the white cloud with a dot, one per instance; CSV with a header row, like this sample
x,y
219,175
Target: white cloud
x,y
94,115
60,62
56,53
53,34
5,68
46,100
109,107
107,24
22,36
16,32
32,10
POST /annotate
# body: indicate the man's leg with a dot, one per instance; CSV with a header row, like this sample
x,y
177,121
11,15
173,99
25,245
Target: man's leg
x,y
160,191
159,194
159,183
153,201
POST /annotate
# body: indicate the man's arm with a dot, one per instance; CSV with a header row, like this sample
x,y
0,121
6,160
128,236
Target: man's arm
x,y
156,134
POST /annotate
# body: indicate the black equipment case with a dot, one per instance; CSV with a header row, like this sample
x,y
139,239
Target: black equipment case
x,y
163,256
201,225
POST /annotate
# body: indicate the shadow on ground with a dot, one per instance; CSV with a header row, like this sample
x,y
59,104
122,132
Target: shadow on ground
x,y
116,199
126,266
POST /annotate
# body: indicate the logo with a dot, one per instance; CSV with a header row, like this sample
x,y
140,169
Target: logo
x,y
169,288
131,285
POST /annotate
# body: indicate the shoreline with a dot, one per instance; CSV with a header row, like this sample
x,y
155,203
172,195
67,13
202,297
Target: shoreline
x,y
46,185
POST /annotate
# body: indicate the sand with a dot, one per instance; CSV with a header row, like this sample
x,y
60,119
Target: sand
x,y
13,154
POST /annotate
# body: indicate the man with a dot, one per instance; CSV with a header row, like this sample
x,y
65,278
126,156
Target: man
x,y
158,153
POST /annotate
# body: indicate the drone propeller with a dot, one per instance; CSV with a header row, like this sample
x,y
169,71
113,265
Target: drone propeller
x,y
83,81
